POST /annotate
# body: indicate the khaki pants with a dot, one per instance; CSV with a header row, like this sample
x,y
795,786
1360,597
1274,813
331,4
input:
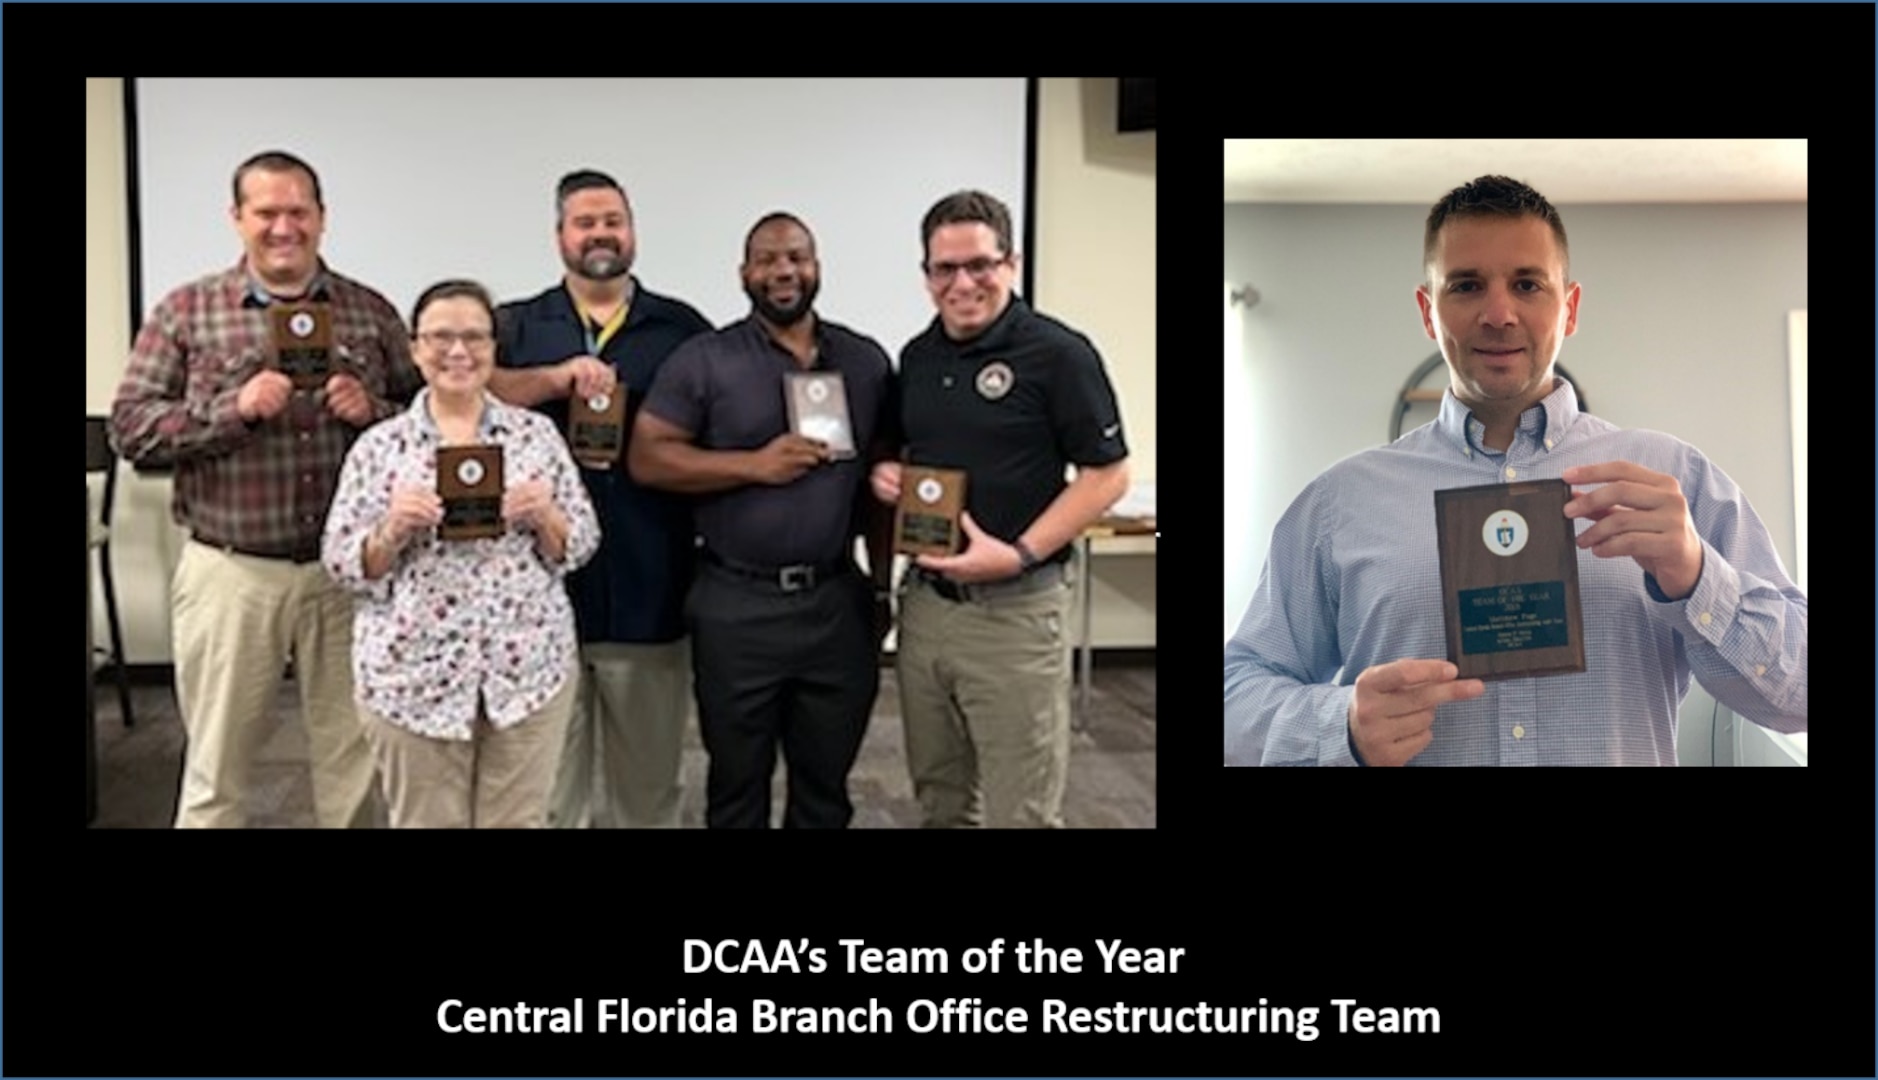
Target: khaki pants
x,y
984,690
498,779
237,620
629,721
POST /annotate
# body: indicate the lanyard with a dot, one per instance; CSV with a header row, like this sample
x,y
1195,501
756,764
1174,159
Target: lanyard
x,y
596,343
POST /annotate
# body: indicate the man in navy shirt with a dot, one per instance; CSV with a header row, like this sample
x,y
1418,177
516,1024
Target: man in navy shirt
x,y
598,331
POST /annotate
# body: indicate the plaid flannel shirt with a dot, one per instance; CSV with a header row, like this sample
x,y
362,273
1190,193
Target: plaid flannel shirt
x,y
261,488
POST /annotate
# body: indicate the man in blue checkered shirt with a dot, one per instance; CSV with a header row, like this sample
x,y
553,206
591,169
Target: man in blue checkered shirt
x,y
1337,659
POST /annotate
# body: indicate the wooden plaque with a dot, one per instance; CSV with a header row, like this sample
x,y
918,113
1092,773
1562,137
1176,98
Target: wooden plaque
x,y
1509,580
818,409
596,428
469,480
303,340
927,521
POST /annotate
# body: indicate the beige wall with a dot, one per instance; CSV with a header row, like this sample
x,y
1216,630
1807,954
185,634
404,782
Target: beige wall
x,y
144,543
1095,271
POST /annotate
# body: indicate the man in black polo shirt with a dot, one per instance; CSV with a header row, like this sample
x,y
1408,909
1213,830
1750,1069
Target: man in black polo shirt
x,y
784,628
597,331
1011,397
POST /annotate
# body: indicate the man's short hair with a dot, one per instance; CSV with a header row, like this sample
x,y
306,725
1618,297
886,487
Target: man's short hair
x,y
965,207
585,180
1498,196
277,161
771,218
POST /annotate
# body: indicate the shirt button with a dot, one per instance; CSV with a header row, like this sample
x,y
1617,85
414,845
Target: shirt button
x,y
305,435
1704,618
1760,669
1548,444
1519,732
1469,453
1510,474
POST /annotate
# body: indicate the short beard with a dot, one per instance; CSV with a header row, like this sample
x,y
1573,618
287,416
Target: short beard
x,y
602,264
780,316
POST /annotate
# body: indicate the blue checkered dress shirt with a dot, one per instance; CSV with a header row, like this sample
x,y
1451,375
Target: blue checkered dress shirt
x,y
1352,580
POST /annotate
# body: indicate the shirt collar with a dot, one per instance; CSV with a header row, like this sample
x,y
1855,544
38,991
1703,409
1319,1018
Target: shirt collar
x,y
1544,423
257,295
754,329
494,421
579,315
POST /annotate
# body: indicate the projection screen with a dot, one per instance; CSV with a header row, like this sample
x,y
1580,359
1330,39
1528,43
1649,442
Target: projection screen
x,y
428,178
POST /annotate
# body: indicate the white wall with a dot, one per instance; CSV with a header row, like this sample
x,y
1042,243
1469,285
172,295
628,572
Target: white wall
x,y
455,177
1682,328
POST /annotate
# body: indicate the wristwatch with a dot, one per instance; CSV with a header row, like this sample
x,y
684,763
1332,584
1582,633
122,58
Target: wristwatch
x,y
1026,558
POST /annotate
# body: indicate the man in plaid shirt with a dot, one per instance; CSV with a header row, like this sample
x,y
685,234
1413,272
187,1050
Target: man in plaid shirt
x,y
256,461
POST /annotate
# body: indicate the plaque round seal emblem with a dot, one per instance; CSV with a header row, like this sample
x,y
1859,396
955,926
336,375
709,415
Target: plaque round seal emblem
x,y
929,491
599,402
995,380
1505,533
817,390
470,471
301,324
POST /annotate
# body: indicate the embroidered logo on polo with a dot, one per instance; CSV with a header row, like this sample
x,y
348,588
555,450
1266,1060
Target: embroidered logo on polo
x,y
1505,533
995,380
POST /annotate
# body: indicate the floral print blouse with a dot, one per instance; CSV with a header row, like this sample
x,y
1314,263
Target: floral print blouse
x,y
461,620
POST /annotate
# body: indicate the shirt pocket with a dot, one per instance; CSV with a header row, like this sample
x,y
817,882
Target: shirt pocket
x,y
361,353
215,372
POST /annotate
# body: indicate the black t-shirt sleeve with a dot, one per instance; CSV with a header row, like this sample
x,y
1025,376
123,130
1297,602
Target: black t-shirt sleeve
x,y
506,331
887,416
678,394
1083,411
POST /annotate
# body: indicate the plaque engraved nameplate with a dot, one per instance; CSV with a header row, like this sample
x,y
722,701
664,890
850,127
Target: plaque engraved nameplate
x,y
303,343
818,409
1509,580
596,427
469,480
927,521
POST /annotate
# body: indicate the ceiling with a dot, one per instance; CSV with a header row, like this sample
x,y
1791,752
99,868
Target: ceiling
x,y
1419,171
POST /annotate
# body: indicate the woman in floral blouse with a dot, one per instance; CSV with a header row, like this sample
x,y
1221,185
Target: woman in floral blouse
x,y
463,650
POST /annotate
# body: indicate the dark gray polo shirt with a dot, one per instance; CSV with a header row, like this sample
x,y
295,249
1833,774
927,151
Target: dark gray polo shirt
x,y
726,389
1011,407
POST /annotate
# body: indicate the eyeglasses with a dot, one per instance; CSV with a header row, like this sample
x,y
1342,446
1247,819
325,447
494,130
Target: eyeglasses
x,y
940,273
442,340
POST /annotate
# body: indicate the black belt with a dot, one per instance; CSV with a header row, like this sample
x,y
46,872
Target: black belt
x,y
303,555
787,578
1036,579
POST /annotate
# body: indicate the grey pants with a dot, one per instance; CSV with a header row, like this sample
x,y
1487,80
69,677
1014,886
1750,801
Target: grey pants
x,y
629,725
984,690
